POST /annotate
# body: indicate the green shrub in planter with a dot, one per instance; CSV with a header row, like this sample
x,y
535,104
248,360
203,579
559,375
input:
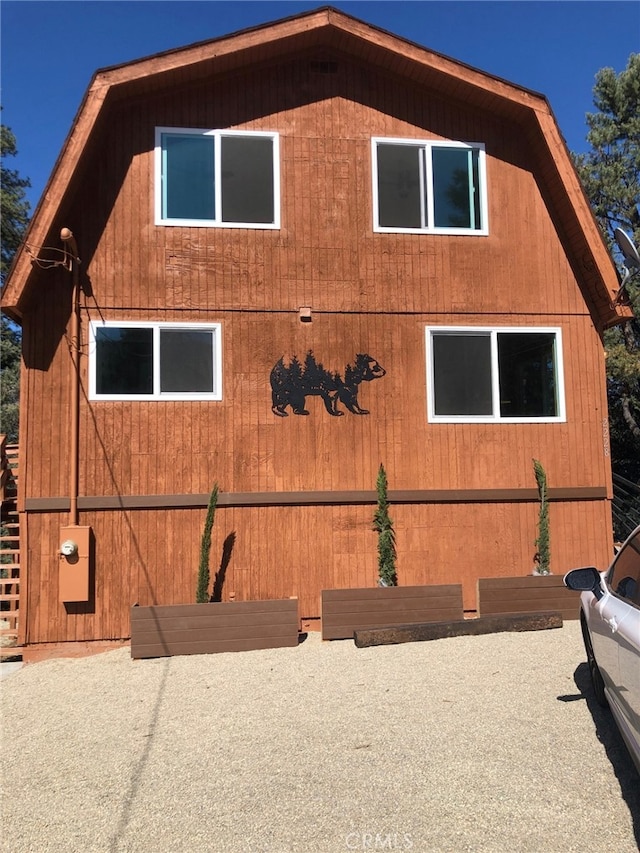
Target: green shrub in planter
x,y
202,590
383,525
542,558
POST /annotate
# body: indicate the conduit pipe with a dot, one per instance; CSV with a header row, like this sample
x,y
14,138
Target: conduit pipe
x,y
66,235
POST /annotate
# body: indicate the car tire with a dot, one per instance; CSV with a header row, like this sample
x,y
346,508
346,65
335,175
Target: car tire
x,y
597,681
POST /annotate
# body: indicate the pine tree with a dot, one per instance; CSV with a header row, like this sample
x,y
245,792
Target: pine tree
x,y
610,172
10,352
295,370
14,217
14,207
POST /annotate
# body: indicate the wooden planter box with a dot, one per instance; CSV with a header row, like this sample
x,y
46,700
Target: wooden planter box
x,y
530,594
197,629
347,610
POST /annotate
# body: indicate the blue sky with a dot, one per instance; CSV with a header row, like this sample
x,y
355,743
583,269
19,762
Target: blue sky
x,y
51,49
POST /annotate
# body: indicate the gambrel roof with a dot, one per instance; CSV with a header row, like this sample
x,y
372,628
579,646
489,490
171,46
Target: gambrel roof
x,y
330,29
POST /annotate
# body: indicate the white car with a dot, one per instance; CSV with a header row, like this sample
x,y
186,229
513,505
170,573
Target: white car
x,y
610,619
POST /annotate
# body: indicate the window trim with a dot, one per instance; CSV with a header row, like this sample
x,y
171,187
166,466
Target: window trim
x,y
157,327
426,178
217,135
493,331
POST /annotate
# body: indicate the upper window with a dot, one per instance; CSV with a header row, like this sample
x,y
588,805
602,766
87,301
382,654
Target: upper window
x,y
155,361
221,178
431,187
486,375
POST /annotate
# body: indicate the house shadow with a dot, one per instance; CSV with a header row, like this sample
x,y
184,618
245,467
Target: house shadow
x,y
615,748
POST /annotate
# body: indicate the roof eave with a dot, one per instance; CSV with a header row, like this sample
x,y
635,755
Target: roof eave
x,y
349,33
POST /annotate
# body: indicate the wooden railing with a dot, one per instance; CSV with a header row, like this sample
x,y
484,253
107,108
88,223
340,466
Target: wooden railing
x,y
9,547
625,507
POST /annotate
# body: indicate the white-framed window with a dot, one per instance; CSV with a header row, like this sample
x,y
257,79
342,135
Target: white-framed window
x,y
485,375
217,178
429,186
132,360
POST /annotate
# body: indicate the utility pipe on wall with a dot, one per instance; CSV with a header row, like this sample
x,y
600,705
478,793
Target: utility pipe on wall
x,y
67,237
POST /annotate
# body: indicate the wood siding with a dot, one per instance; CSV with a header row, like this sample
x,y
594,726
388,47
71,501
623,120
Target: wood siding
x,y
151,557
369,293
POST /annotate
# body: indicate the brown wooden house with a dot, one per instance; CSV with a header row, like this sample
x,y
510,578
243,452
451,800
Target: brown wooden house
x,y
274,261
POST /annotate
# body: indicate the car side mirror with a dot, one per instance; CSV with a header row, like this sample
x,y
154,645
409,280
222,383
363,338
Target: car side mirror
x,y
584,580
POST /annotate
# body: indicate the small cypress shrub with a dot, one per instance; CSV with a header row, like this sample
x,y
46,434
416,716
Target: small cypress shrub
x,y
383,525
202,589
542,556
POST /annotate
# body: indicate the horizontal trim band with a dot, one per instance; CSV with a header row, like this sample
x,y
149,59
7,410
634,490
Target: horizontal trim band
x,y
238,499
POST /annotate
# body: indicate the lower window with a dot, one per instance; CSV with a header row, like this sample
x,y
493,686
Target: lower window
x,y
155,361
484,375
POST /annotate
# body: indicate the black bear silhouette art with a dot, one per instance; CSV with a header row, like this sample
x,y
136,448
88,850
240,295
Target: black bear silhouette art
x,y
292,383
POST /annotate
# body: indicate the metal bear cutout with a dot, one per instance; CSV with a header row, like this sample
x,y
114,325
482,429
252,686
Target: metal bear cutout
x,y
292,383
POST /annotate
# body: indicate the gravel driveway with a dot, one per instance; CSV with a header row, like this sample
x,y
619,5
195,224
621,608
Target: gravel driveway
x,y
489,743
